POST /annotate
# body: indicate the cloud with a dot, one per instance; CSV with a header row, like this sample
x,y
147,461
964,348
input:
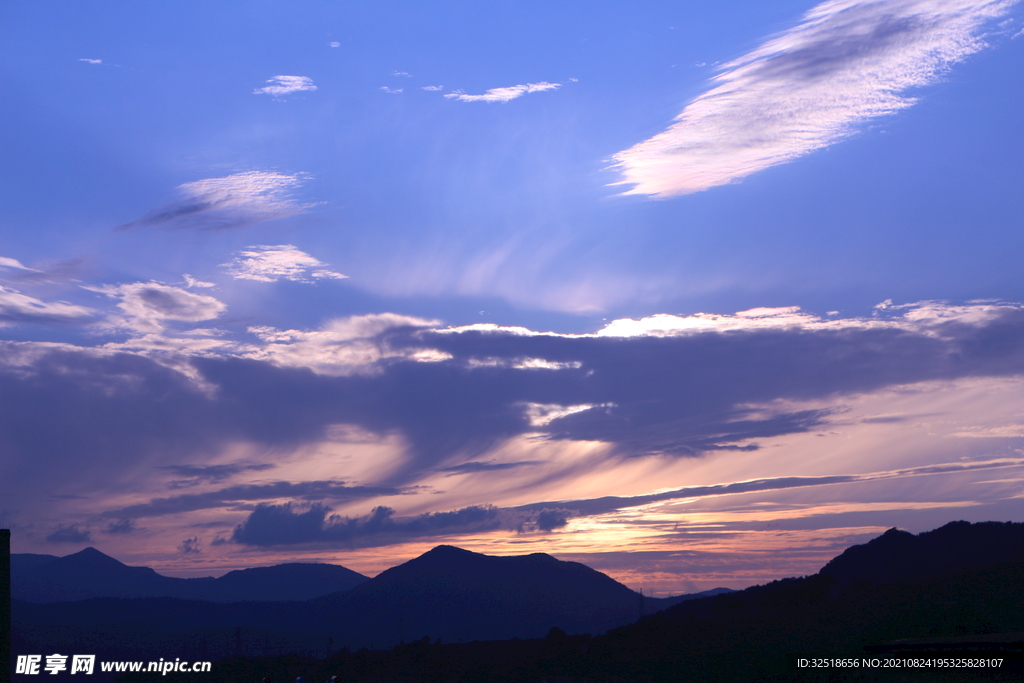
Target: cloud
x,y
388,90
474,467
214,474
266,263
847,62
147,306
503,94
342,347
16,307
334,44
64,271
121,527
311,523
78,420
283,525
291,524
235,201
69,534
549,520
286,85
91,61
232,496
12,263
191,282
190,546
432,88
406,74
607,504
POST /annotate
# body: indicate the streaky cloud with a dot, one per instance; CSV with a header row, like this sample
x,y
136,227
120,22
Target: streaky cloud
x,y
246,493
234,201
606,504
292,524
503,94
16,307
474,467
270,263
847,62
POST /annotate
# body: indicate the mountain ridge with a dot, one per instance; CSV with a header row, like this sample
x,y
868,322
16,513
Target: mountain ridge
x,y
90,573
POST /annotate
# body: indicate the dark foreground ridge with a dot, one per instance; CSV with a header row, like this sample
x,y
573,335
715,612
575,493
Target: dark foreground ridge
x,y
447,593
956,592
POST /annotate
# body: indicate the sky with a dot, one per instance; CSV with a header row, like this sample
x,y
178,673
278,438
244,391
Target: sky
x,y
698,294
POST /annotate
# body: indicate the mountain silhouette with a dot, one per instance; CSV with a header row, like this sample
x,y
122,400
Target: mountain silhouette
x,y
453,593
446,593
901,556
955,593
90,574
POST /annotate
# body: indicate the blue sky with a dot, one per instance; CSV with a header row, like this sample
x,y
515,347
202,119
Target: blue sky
x,y
245,245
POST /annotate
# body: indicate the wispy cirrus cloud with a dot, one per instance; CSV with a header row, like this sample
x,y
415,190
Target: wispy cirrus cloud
x,y
6,262
286,85
214,474
847,62
16,307
502,94
234,201
266,263
234,496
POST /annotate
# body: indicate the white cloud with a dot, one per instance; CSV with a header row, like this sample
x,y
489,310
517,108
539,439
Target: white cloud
x,y
267,263
406,74
335,44
433,88
147,305
388,90
503,94
191,282
286,85
929,317
845,63
91,61
342,347
12,263
234,201
16,307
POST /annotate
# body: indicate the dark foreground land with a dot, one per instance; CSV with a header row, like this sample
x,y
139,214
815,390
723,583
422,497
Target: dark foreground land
x,y
949,586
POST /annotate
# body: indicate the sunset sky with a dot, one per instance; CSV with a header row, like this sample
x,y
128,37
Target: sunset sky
x,y
696,293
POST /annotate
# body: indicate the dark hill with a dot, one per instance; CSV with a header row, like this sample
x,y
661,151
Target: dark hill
x,y
939,608
455,593
902,556
950,601
446,593
91,574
